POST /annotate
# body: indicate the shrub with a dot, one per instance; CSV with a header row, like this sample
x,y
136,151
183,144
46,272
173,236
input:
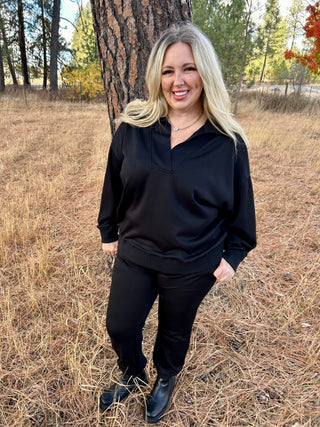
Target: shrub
x,y
83,83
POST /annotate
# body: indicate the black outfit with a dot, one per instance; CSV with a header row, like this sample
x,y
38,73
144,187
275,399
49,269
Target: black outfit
x,y
133,292
176,213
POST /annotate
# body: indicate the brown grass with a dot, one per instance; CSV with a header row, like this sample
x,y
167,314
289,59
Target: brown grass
x,y
254,355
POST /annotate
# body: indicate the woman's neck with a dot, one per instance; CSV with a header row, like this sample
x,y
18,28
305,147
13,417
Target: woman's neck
x,y
177,116
182,120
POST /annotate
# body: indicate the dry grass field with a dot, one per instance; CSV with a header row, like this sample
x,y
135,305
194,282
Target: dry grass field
x,y
254,356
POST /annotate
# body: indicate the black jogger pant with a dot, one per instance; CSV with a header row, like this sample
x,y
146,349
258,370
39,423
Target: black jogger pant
x,y
133,292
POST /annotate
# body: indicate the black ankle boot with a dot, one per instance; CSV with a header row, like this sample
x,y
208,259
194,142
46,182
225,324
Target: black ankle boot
x,y
118,391
158,401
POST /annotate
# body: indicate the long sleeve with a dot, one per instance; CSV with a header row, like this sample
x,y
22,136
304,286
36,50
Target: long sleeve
x,y
241,237
112,190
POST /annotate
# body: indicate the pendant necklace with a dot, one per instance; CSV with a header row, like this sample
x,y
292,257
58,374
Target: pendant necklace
x,y
176,128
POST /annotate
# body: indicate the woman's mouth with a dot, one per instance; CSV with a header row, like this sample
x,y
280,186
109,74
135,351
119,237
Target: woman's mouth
x,y
180,94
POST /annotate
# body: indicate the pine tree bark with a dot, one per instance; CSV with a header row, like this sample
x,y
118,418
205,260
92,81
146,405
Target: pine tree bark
x,y
126,32
22,45
2,82
54,45
44,48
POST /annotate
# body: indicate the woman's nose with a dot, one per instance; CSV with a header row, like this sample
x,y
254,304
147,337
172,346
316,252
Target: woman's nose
x,y
178,78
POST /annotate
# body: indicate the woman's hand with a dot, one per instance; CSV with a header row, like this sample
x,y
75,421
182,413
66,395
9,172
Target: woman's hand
x,y
224,272
110,248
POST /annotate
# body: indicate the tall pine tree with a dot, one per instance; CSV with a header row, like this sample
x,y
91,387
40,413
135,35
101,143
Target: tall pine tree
x,y
229,26
246,48
54,45
38,32
8,35
22,44
269,29
84,47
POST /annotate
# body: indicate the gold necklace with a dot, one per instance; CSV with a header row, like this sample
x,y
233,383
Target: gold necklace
x,y
176,128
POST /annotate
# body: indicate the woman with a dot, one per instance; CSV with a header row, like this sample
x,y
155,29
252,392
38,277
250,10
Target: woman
x,y
177,209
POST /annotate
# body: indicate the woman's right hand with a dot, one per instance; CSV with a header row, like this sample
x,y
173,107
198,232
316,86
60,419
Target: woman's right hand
x,y
110,248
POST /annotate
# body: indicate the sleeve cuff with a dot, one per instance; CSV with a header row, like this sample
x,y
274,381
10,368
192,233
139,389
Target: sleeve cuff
x,y
108,234
234,257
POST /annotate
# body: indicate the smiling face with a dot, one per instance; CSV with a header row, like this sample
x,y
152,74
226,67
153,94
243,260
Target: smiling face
x,y
180,81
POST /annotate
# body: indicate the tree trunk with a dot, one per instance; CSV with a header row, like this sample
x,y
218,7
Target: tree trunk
x,y
126,32
294,32
303,72
2,83
265,60
22,45
243,62
7,53
244,55
54,46
44,48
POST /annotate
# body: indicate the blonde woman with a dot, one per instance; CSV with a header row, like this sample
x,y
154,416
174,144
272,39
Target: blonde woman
x,y
177,209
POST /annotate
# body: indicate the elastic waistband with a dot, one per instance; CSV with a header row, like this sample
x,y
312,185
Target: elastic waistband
x,y
209,262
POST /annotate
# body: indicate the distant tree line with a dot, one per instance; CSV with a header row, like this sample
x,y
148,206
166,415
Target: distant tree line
x,y
29,41
249,49
250,38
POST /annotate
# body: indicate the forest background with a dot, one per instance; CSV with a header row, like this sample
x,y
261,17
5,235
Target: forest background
x,y
250,39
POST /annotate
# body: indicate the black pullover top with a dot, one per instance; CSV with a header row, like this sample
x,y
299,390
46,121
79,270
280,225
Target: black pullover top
x,y
178,210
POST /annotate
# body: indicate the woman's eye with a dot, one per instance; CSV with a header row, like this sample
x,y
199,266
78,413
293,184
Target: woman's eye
x,y
166,72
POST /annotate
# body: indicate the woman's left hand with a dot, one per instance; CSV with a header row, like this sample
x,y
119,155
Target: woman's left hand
x,y
224,272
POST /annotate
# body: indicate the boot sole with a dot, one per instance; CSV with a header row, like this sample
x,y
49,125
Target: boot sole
x,y
156,419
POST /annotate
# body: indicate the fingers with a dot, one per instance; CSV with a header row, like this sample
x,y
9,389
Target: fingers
x,y
224,272
110,248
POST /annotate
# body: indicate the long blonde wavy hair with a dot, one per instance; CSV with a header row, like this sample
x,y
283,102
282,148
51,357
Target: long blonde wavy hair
x,y
215,98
